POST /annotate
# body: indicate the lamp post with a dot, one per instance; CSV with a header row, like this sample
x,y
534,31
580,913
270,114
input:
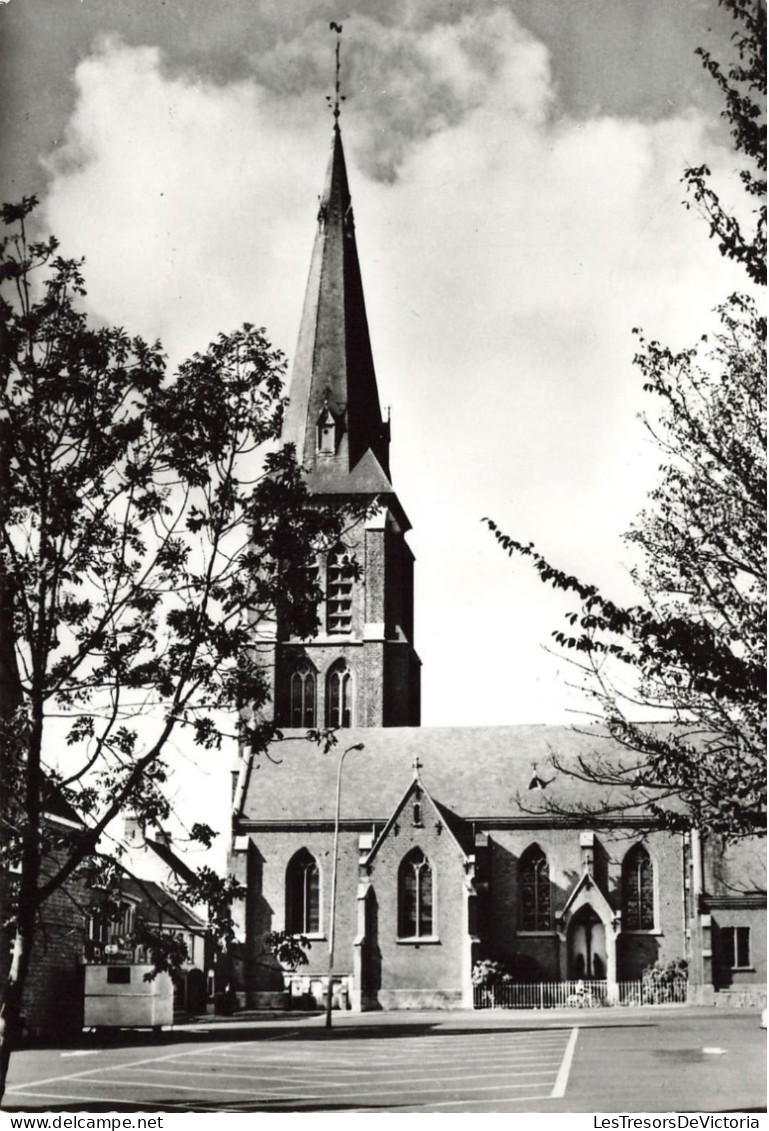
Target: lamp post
x,y
334,861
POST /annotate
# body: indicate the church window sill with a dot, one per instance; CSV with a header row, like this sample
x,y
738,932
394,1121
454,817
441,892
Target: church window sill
x,y
418,940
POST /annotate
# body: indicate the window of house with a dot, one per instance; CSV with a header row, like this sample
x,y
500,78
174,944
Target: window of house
x,y
303,697
638,890
338,592
99,928
415,896
534,873
735,947
339,695
302,895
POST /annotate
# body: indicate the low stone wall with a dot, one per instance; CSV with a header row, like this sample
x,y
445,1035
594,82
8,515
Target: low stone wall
x,y
742,997
751,997
265,999
420,999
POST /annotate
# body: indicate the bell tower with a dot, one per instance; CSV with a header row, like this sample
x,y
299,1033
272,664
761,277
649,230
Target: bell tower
x,y
361,670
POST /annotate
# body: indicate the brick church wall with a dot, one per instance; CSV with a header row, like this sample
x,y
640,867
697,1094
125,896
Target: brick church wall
x,y
262,869
421,974
635,951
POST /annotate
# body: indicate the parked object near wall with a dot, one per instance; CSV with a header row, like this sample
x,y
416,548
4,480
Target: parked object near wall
x,y
120,996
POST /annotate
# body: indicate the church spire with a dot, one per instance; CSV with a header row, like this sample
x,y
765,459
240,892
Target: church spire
x,y
361,669
333,417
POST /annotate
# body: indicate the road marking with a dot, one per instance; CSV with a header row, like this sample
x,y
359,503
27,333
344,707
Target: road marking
x,y
100,1099
313,1073
562,1079
476,1102
19,1088
715,1051
289,1082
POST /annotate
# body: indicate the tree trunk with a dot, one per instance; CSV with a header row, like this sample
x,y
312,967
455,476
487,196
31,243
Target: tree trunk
x,y
10,1009
11,760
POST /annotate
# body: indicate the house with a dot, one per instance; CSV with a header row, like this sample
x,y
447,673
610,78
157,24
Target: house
x,y
71,934
446,853
53,993
145,898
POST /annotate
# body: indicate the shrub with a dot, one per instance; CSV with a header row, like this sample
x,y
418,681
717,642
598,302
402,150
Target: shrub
x,y
663,982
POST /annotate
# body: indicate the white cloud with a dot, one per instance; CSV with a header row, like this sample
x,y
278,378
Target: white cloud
x,y
504,270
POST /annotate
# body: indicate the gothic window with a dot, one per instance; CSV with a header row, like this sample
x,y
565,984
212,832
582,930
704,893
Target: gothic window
x,y
303,696
339,695
638,890
415,896
534,873
302,895
338,592
735,947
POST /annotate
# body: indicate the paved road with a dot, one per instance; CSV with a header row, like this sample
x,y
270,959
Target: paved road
x,y
610,1061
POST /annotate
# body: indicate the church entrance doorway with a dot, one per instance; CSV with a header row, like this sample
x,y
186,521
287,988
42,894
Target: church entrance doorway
x,y
587,945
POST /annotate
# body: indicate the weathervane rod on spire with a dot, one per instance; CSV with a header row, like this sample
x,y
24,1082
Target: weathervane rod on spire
x,y
338,96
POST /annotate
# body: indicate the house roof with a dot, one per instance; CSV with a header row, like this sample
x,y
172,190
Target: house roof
x,y
56,805
170,859
475,772
156,905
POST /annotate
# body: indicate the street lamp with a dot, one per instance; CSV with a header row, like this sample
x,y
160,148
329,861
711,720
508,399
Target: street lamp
x,y
335,858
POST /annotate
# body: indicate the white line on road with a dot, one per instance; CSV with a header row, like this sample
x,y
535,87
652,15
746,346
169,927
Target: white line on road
x,y
562,1079
290,1082
20,1089
24,1088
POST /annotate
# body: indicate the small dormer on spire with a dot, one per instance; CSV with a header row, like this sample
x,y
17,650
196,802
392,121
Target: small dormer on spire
x,y
329,430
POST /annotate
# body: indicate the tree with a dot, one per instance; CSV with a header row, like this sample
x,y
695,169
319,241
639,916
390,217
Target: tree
x,y
696,641
149,521
743,86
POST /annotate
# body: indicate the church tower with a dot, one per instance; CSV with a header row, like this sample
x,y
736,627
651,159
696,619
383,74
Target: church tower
x,y
361,670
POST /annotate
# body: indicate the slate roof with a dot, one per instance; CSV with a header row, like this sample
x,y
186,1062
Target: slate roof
x,y
56,805
170,859
155,904
475,772
333,366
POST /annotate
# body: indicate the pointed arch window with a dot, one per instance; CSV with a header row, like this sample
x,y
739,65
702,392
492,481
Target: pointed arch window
x,y
302,894
339,695
303,696
338,592
638,890
534,873
415,896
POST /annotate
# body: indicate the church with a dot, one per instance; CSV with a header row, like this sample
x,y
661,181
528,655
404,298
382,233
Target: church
x,y
444,854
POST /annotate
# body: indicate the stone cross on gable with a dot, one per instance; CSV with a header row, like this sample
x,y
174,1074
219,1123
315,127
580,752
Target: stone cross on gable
x,y
416,766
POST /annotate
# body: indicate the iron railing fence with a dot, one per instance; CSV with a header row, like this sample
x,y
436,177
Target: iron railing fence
x,y
581,994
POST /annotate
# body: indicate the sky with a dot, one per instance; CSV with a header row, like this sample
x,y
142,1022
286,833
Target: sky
x,y
515,167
